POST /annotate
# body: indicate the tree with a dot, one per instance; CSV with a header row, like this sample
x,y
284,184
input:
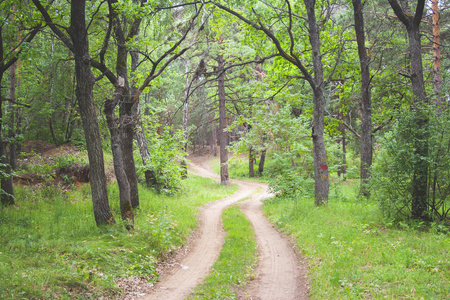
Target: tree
x,y
436,53
77,41
316,81
223,134
10,51
366,105
412,21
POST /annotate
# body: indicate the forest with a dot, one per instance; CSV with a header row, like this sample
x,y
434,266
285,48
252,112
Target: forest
x,y
339,107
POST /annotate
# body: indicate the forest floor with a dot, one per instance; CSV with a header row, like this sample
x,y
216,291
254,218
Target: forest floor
x,y
279,273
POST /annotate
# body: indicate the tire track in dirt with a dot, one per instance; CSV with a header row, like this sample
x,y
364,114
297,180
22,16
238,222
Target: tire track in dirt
x,y
278,275
178,282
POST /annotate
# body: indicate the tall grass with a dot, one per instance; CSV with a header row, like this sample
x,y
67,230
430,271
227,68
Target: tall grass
x,y
51,248
355,254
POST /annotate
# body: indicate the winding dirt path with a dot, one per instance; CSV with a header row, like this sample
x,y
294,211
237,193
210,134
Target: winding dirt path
x,y
279,274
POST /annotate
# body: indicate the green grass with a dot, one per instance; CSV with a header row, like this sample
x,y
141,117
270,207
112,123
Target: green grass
x,y
354,255
236,261
51,248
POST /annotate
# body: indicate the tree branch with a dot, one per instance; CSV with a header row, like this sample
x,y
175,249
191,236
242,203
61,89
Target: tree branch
x,y
406,20
48,20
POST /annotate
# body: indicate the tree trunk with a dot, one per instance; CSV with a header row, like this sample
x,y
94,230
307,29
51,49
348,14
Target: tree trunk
x,y
84,92
419,182
128,158
150,178
223,135
119,169
12,121
344,153
420,177
261,162
251,162
321,175
437,54
366,105
128,108
185,113
52,132
213,137
6,183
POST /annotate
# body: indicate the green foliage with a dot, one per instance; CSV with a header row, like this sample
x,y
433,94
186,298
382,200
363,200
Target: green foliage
x,y
235,265
288,144
166,155
354,254
394,168
51,248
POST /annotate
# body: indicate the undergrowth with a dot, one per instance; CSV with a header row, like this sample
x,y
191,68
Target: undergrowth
x,y
234,267
50,247
355,254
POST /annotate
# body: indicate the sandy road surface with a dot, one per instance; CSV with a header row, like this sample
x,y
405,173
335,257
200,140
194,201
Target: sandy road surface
x,y
279,275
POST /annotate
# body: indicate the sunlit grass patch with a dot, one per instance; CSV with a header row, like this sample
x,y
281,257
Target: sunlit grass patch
x,y
51,248
354,254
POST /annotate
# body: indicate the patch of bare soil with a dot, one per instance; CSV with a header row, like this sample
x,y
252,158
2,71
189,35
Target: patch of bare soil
x,y
40,153
280,273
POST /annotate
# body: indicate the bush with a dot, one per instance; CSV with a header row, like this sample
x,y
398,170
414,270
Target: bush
x,y
166,155
392,174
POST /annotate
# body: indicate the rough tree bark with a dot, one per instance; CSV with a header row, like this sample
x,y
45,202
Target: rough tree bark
x,y
366,105
128,109
420,164
119,169
223,135
321,175
84,92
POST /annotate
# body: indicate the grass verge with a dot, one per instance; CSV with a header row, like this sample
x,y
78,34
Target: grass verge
x,y
50,247
236,261
354,255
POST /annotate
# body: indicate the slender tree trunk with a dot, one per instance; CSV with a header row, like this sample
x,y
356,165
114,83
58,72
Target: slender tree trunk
x,y
251,162
150,178
262,160
366,105
12,121
213,136
185,113
84,92
7,196
321,175
437,54
52,132
344,153
223,135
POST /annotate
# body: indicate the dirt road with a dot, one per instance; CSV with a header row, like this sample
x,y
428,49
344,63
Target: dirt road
x,y
279,275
